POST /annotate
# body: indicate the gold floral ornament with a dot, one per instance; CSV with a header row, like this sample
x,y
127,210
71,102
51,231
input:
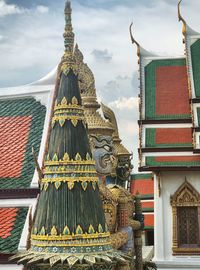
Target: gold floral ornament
x,y
88,157
68,65
78,157
55,157
66,231
91,230
74,101
100,228
84,185
62,118
64,101
70,185
79,230
42,231
57,185
54,231
66,157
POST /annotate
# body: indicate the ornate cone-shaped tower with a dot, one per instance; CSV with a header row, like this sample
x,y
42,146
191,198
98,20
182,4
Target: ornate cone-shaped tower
x,y
69,225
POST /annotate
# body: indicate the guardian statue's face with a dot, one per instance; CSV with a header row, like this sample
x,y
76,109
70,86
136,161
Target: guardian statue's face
x,y
102,150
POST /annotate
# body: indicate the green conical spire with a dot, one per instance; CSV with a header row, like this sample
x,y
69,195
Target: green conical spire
x,y
69,225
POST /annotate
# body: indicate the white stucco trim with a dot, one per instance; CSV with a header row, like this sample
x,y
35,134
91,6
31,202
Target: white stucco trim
x,y
166,154
183,125
158,223
49,100
11,266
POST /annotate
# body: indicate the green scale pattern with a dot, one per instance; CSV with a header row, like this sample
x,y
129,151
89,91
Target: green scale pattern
x,y
10,244
25,107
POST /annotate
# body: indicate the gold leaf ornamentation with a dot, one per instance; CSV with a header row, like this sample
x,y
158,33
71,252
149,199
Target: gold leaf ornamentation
x,y
46,185
64,101
66,157
94,185
66,231
78,157
88,157
74,101
84,185
57,185
35,230
79,230
62,122
55,157
100,228
106,227
53,123
54,231
91,230
42,231
74,121
70,185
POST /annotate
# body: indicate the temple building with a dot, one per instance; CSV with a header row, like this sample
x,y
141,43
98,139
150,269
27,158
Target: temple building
x,y
169,146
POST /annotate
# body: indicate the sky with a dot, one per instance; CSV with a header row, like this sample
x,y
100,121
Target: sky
x,y
31,45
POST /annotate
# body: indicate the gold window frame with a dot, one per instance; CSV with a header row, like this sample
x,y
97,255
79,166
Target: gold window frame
x,y
185,196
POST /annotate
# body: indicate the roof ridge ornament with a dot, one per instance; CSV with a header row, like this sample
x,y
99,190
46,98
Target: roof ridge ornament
x,y
140,50
180,18
134,41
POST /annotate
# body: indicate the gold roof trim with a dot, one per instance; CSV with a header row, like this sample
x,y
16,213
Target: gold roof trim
x,y
180,18
134,41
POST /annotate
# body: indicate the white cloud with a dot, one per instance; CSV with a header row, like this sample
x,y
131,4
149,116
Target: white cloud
x,y
102,55
8,9
124,103
42,9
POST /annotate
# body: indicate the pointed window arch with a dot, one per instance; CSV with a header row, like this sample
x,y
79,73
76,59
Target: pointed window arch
x,y
186,220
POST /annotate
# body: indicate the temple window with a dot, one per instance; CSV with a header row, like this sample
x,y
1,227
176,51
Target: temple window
x,y
186,220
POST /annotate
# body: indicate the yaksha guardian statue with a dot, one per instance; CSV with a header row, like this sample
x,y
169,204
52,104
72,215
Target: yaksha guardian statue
x,y
113,164
112,158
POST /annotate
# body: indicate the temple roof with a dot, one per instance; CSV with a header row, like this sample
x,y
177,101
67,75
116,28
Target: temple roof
x,y
11,225
169,123
21,124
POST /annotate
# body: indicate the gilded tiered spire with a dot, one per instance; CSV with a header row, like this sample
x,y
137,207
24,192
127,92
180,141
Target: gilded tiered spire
x,y
69,225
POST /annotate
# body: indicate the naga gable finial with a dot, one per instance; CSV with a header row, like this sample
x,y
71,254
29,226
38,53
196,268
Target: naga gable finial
x,y
134,41
180,18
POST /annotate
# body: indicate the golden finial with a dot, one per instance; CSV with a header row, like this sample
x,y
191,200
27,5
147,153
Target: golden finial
x,y
68,34
180,18
134,41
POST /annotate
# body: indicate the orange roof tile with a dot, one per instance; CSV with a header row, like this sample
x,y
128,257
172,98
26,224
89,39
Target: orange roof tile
x,y
174,135
144,187
7,219
14,133
149,220
172,95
